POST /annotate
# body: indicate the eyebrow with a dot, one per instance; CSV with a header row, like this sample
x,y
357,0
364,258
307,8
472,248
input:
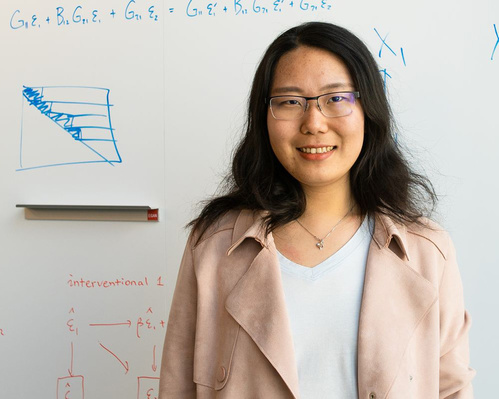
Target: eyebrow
x,y
331,86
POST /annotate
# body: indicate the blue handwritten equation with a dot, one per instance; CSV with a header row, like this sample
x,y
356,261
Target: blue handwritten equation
x,y
497,43
129,10
81,13
197,8
392,53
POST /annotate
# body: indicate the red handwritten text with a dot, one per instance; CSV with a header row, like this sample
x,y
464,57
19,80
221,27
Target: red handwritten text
x,y
119,282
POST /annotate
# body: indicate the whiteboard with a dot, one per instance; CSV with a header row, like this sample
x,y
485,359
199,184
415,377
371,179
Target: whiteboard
x,y
85,303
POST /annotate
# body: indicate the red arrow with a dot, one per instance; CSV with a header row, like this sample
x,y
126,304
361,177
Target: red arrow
x,y
128,323
154,366
70,370
125,365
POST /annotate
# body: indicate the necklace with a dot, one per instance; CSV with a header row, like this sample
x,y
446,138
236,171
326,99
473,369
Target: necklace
x,y
320,241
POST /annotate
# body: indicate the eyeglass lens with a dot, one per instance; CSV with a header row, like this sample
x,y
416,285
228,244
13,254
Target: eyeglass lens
x,y
331,105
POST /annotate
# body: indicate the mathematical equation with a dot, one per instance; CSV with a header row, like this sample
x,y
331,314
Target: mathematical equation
x,y
497,43
197,8
150,11
141,324
129,10
391,53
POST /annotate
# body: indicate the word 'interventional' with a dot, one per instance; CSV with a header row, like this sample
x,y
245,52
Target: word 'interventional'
x,y
118,282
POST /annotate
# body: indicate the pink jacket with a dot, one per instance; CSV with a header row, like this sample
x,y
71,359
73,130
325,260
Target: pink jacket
x,y
228,334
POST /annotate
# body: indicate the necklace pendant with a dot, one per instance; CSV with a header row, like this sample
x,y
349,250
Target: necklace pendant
x,y
320,244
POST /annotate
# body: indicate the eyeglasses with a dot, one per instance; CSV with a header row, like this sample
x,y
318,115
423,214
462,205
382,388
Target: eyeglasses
x,y
332,105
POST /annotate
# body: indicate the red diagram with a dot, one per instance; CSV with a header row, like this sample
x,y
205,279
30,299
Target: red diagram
x,y
71,387
148,387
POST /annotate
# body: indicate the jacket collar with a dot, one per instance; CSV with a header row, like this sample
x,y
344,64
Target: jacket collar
x,y
386,229
249,224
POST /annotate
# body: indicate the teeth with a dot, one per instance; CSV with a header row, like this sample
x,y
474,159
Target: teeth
x,y
319,150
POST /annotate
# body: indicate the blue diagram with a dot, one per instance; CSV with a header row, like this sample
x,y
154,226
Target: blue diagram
x,y
66,125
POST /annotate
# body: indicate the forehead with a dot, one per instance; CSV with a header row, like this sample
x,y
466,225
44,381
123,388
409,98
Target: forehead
x,y
310,68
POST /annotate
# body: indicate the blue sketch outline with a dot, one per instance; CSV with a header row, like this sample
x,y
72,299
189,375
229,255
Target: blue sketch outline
x,y
35,97
21,141
497,43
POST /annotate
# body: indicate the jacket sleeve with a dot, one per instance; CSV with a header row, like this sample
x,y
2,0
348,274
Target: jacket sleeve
x,y
176,377
455,322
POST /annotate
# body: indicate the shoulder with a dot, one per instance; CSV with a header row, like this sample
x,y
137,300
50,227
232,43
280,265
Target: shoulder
x,y
224,223
432,234
228,227
415,240
424,246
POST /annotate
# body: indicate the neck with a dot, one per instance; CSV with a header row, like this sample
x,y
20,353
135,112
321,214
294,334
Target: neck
x,y
327,202
326,206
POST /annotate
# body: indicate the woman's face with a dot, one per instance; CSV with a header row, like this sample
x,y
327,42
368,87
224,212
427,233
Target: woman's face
x,y
308,71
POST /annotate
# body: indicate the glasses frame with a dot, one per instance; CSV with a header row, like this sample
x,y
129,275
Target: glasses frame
x,y
268,101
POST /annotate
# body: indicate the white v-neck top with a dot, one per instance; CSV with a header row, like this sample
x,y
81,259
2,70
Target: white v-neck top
x,y
323,304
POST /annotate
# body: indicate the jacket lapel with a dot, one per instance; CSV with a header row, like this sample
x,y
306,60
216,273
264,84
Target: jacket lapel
x,y
395,300
257,303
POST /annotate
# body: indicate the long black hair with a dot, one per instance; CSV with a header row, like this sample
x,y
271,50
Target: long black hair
x,y
381,178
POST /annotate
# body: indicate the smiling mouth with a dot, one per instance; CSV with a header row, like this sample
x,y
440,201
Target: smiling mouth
x,y
316,150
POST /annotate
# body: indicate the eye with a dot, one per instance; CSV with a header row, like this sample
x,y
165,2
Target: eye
x,y
288,102
335,99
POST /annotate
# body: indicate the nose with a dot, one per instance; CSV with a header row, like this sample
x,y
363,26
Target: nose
x,y
313,120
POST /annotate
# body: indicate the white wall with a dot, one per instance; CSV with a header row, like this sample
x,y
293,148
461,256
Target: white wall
x,y
444,98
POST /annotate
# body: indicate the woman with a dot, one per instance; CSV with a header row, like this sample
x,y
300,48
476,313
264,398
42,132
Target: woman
x,y
317,275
